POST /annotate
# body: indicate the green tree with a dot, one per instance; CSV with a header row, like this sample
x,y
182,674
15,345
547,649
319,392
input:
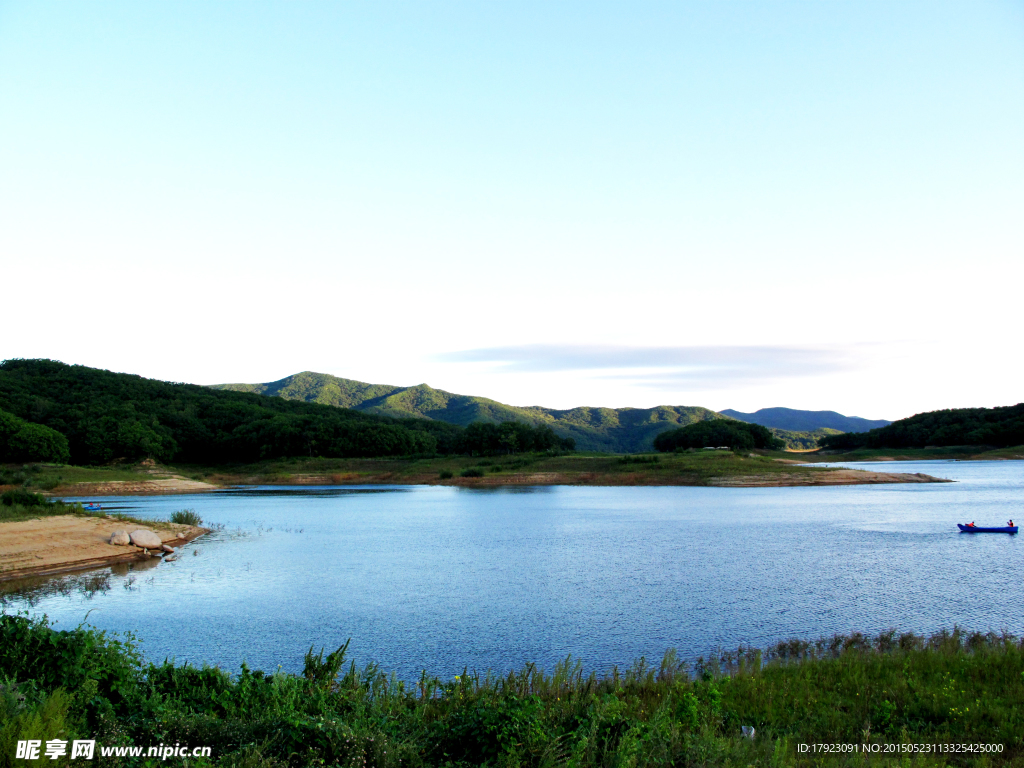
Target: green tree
x,y
718,433
22,441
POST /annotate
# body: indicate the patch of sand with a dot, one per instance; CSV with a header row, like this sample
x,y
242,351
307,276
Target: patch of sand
x,y
134,487
826,477
64,543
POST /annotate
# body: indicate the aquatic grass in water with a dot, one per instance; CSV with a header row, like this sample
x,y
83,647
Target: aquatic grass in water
x,y
949,688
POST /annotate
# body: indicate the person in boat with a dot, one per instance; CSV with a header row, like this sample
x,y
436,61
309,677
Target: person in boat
x,y
1010,524
970,524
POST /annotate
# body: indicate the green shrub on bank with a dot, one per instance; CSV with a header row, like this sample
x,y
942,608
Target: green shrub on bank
x,y
23,498
186,517
953,687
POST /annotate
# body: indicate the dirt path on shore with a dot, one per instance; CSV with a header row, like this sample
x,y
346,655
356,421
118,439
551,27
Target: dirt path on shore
x,y
65,543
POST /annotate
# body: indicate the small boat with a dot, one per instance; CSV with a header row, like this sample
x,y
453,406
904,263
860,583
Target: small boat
x,y
91,507
979,529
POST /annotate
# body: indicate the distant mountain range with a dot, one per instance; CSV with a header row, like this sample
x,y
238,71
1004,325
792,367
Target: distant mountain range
x,y
806,421
617,430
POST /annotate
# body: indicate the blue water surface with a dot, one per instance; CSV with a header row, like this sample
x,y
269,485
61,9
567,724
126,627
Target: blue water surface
x,y
442,578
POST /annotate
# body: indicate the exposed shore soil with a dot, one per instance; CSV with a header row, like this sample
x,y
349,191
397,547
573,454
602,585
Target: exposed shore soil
x,y
835,477
717,468
66,543
780,479
134,487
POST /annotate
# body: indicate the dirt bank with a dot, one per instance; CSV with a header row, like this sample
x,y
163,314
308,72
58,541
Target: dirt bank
x,y
834,477
134,487
66,543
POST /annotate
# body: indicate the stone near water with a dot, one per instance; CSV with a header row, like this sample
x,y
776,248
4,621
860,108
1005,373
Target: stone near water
x,y
166,548
120,538
146,539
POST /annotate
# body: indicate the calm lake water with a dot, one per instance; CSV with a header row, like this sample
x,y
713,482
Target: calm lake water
x,y
442,578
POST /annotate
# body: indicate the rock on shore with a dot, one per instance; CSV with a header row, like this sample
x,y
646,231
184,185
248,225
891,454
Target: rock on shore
x,y
120,538
146,539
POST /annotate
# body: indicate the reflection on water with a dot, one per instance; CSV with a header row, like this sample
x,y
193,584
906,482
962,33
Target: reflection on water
x,y
442,578
307,491
28,592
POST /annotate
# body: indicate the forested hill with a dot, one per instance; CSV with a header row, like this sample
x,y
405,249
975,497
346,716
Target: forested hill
x,y
997,427
107,416
617,430
805,421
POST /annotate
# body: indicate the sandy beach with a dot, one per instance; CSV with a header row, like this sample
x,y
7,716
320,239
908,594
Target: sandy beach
x,y
66,543
134,487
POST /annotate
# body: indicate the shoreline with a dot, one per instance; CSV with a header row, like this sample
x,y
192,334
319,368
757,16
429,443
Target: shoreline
x,y
714,468
817,477
52,546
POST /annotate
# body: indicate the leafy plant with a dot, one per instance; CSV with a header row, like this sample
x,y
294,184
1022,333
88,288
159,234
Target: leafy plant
x,y
323,672
23,498
186,517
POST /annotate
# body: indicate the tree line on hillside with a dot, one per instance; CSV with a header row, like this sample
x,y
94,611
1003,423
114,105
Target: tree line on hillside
x,y
60,413
997,427
717,433
481,438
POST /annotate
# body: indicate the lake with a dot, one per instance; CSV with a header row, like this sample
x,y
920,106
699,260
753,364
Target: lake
x,y
442,578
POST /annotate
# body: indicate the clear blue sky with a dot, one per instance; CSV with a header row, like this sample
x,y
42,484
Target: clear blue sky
x,y
815,205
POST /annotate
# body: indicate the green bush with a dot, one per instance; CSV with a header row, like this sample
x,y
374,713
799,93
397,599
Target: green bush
x,y
23,498
78,660
473,472
27,714
631,459
445,474
186,517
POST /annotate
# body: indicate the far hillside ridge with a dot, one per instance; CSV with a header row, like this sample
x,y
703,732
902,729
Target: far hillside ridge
x,y
615,430
805,421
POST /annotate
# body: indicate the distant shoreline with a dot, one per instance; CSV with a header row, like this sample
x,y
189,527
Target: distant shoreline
x,y
765,473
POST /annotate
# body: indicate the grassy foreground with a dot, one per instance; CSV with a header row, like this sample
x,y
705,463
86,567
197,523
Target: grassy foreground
x,y
891,691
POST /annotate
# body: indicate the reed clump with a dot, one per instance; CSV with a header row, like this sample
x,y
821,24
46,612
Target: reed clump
x,y
186,517
953,687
